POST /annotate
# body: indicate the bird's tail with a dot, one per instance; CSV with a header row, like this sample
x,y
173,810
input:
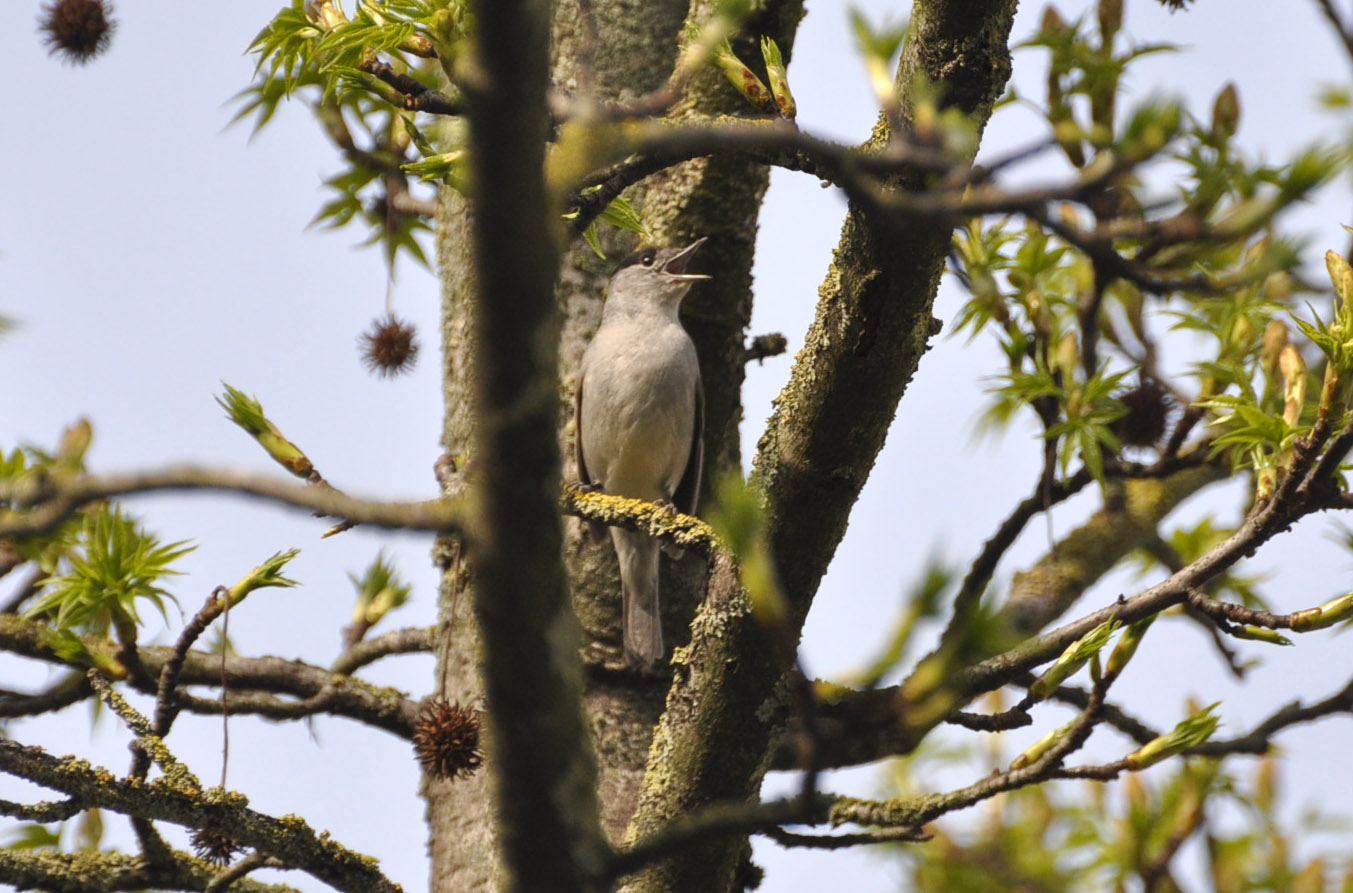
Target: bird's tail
x,y
638,556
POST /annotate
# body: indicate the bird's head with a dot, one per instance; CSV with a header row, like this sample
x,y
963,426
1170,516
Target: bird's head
x,y
655,276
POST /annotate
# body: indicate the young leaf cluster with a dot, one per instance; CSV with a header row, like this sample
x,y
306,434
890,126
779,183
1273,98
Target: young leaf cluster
x,y
317,52
111,565
380,590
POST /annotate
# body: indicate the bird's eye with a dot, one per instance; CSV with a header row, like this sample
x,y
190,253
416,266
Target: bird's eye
x,y
647,258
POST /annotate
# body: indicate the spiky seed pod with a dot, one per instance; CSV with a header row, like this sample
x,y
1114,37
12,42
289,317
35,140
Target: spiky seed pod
x,y
446,739
389,348
77,30
1148,411
214,846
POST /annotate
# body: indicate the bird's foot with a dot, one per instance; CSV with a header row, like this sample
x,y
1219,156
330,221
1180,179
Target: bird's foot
x,y
671,550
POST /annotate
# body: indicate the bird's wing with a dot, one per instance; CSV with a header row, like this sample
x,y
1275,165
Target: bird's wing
x,y
688,488
583,476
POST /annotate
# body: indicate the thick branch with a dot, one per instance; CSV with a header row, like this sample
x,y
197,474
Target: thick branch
x,y
290,839
548,827
104,872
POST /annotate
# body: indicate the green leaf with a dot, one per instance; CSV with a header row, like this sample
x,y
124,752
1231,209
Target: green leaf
x,y
622,214
881,41
286,45
32,836
738,518
113,564
594,241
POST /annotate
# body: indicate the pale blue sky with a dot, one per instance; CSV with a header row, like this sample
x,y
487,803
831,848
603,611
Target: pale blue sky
x,y
148,253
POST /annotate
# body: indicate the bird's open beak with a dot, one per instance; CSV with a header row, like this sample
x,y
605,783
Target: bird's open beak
x,y
676,267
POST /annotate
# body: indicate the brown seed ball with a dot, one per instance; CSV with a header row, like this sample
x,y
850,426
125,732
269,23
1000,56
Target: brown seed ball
x,y
77,30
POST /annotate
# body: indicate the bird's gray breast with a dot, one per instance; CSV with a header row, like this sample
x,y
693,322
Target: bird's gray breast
x,y
638,407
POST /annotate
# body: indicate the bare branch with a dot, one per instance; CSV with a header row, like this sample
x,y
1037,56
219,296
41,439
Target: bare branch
x,y
254,681
718,821
47,505
50,811
1259,740
63,693
842,841
407,92
917,811
228,876
368,651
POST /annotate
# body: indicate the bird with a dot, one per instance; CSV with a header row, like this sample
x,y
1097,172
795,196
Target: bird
x,y
640,418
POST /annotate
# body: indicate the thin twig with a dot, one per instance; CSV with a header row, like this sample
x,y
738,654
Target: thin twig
x,y
1345,36
400,641
169,673
231,873
63,693
716,821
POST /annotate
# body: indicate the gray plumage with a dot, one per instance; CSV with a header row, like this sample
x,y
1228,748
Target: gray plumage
x,y
640,412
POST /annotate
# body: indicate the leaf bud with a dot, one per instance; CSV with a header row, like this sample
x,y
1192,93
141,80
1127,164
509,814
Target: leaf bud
x,y
1260,634
1035,751
1127,645
1341,275
1052,21
1226,113
1293,369
1331,612
742,77
1076,655
778,76
1187,734
1110,15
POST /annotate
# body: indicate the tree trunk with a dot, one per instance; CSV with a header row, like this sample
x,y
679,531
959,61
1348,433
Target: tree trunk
x,y
636,51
